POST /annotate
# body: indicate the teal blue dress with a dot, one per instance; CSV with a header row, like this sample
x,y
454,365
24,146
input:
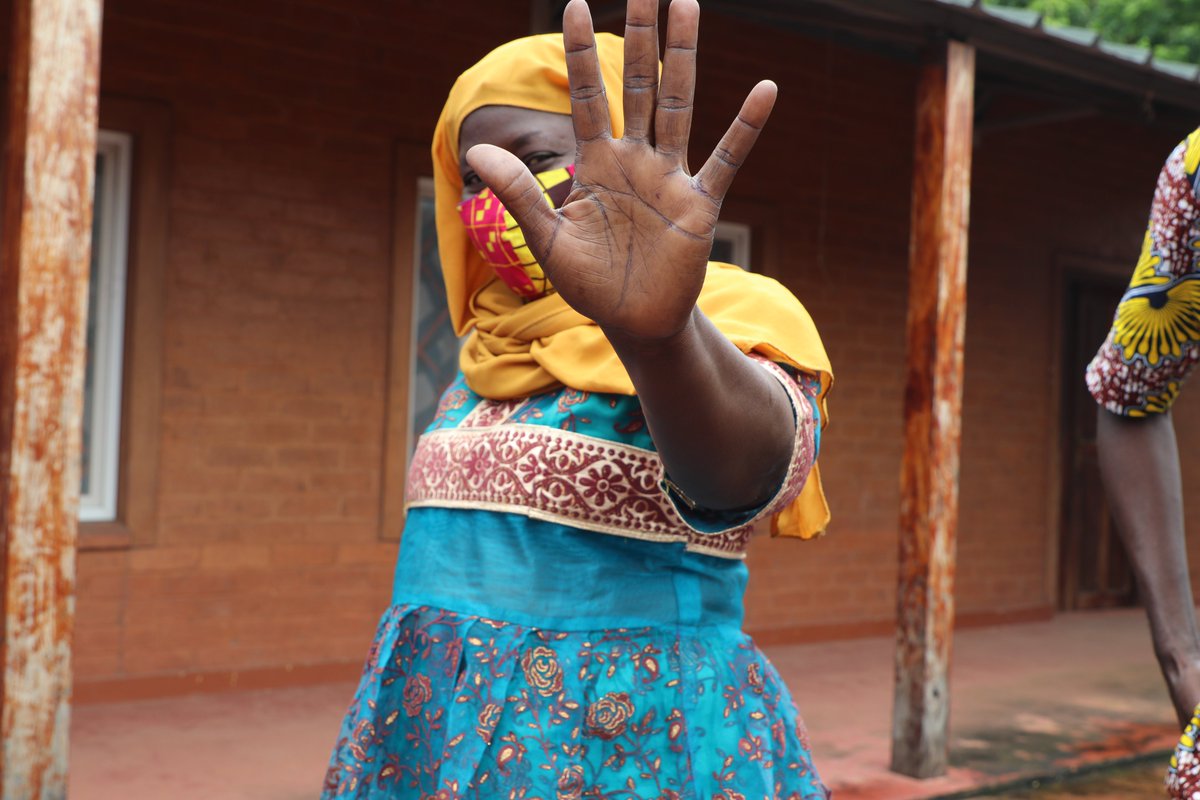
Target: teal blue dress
x,y
564,625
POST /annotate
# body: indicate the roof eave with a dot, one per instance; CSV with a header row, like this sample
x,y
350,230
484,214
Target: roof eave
x,y
1024,39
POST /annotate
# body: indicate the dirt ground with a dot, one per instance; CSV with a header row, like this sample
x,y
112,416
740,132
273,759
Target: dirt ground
x,y
1140,781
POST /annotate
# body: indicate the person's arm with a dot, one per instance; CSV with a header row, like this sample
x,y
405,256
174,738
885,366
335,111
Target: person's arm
x,y
1139,463
629,249
723,426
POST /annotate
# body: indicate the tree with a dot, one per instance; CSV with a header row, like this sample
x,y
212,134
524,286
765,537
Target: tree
x,y
1170,28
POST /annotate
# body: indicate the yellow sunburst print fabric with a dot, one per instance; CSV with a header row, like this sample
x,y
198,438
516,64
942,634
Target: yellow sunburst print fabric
x,y
1155,337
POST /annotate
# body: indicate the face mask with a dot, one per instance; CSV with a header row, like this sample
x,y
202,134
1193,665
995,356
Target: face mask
x,y
499,239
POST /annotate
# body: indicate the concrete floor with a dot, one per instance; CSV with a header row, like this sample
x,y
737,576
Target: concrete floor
x,y
1026,700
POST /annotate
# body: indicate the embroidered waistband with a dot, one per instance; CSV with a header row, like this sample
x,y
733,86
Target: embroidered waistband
x,y
558,476
579,480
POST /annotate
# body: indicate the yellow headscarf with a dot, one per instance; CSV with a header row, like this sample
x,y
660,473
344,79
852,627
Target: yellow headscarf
x,y
518,348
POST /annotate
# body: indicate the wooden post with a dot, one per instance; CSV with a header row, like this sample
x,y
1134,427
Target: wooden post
x,y
44,261
932,409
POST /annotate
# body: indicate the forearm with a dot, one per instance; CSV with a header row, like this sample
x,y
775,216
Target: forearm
x,y
723,426
1139,463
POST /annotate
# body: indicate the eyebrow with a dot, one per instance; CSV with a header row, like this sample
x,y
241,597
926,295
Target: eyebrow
x,y
523,139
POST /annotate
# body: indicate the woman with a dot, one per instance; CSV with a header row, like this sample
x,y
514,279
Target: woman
x,y
567,609
1135,378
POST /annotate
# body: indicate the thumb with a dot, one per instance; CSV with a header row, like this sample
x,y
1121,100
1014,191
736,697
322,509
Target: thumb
x,y
512,182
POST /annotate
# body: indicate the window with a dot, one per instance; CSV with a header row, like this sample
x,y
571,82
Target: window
x,y
434,349
124,364
105,330
423,351
731,244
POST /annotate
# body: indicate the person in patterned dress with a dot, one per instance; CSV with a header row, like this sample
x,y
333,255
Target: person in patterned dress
x,y
1135,377
567,606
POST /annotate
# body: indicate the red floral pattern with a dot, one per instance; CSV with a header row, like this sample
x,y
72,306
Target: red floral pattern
x,y
613,728
570,783
608,716
454,706
488,718
540,665
416,694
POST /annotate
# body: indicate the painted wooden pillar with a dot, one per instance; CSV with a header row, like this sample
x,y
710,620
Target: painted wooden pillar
x,y
45,247
932,409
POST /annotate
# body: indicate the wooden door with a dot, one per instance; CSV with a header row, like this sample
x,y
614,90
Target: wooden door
x,y
1093,569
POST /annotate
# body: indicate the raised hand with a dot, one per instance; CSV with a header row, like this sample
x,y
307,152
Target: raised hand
x,y
628,247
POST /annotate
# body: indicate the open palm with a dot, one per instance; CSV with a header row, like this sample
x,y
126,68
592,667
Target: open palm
x,y
629,245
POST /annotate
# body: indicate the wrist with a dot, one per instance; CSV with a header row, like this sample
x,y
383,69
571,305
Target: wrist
x,y
642,348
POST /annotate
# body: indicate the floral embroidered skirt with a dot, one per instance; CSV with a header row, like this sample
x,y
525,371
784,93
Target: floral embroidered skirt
x,y
455,704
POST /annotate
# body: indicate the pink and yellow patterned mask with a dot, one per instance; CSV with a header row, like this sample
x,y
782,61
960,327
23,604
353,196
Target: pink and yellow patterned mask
x,y
500,240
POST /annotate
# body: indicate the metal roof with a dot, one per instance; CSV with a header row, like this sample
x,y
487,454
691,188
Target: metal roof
x,y
1082,37
1024,35
1015,41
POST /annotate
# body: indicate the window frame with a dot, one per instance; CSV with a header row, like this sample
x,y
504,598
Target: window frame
x,y
424,191
110,247
148,123
397,433
740,238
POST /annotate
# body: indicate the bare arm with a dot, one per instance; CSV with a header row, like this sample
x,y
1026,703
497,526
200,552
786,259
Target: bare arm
x,y
722,425
629,249
1139,463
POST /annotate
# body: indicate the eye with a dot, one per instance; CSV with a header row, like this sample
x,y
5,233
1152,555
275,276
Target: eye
x,y
538,159
472,184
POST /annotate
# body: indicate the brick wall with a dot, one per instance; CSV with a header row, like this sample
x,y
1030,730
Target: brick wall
x,y
284,120
284,115
836,160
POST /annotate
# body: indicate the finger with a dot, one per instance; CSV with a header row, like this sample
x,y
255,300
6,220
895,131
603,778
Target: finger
x,y
718,172
589,105
673,120
510,180
641,67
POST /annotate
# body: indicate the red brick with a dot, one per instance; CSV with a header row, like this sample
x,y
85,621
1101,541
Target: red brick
x,y
160,557
234,555
303,555
309,506
324,457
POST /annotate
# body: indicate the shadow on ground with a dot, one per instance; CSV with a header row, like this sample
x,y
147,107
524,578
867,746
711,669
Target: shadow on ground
x,y
1025,748
1133,779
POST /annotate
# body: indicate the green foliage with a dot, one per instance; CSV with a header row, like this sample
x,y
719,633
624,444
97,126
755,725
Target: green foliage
x,y
1171,28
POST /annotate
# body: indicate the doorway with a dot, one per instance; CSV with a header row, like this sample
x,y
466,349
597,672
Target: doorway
x,y
1093,569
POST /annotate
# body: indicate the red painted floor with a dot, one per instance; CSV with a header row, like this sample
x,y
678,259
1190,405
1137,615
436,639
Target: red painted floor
x,y
1026,700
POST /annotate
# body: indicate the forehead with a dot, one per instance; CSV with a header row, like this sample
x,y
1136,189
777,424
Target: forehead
x,y
511,127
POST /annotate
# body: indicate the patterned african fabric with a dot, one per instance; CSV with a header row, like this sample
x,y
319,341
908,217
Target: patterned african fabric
x,y
1155,337
501,242
563,626
1183,775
